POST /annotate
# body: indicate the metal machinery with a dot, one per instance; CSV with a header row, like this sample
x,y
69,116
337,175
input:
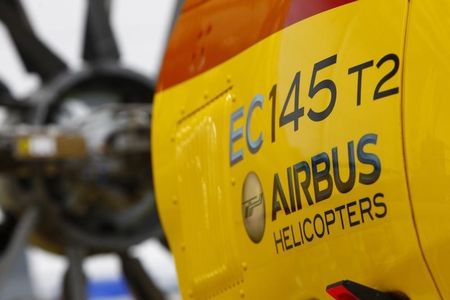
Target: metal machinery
x,y
74,155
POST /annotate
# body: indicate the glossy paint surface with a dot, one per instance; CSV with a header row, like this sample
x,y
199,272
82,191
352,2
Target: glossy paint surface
x,y
314,110
427,127
208,33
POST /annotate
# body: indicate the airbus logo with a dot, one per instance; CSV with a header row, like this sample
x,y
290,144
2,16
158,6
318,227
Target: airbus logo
x,y
253,207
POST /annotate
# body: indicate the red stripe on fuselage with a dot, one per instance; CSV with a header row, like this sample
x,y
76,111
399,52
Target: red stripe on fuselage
x,y
213,31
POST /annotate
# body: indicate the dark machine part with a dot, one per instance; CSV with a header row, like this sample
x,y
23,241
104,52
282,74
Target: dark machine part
x,y
75,169
140,284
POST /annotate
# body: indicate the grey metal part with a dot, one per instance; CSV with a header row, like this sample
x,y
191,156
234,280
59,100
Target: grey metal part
x,y
18,284
75,280
18,243
141,284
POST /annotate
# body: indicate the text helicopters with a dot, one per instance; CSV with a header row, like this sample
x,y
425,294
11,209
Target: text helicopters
x,y
302,147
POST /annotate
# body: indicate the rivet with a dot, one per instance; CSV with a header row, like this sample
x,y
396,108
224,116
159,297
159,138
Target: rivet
x,y
244,266
241,293
208,29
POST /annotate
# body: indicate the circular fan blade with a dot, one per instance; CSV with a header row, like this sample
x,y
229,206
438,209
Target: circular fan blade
x,y
140,283
36,56
75,280
99,42
17,241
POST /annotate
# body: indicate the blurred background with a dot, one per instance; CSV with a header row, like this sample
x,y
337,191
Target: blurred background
x,y
141,29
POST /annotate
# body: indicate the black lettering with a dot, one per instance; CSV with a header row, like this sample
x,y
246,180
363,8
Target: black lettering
x,y
278,192
302,167
321,176
278,241
330,221
380,204
344,187
319,234
286,238
339,210
296,242
298,112
365,210
291,190
359,69
316,87
351,214
381,94
369,159
301,231
273,97
311,237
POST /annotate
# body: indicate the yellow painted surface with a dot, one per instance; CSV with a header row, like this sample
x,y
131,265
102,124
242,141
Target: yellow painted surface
x,y
427,128
199,193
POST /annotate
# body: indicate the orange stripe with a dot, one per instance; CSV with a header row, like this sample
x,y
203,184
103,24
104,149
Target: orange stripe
x,y
209,32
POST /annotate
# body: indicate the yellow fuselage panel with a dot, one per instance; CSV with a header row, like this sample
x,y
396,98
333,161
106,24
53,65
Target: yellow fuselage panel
x,y
282,169
426,110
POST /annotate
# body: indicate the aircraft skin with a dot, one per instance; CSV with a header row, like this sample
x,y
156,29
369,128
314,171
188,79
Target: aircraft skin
x,y
299,143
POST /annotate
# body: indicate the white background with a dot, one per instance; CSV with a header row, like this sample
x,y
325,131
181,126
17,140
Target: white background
x,y
141,28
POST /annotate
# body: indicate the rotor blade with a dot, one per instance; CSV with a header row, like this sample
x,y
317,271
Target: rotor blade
x,y
36,56
17,241
7,226
7,100
75,280
4,91
140,283
99,42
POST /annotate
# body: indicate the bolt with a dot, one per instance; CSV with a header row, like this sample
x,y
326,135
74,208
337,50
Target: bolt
x,y
244,266
241,293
